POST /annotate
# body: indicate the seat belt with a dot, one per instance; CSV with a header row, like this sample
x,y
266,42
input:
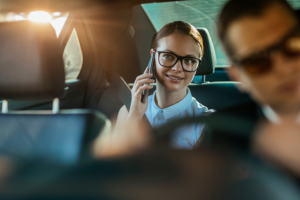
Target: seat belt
x,y
124,92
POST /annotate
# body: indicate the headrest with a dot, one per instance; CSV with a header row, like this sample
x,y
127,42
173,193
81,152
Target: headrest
x,y
209,60
31,63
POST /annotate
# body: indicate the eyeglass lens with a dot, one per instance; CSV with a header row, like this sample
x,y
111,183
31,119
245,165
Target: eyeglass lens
x,y
169,60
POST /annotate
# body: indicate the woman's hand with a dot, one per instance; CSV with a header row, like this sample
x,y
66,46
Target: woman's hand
x,y
137,108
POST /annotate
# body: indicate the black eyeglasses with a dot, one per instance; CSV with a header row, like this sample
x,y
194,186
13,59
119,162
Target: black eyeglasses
x,y
261,62
167,59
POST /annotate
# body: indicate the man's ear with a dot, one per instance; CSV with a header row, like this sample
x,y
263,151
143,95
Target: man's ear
x,y
234,74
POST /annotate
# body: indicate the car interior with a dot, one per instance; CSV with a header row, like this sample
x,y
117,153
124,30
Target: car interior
x,y
48,135
79,94
59,92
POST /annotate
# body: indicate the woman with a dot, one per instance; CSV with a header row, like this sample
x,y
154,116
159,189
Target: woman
x,y
178,50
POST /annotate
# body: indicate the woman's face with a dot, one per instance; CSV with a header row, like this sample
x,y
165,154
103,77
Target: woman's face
x,y
175,78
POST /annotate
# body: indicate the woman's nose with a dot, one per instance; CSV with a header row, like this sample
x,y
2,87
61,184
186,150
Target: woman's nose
x,y
177,67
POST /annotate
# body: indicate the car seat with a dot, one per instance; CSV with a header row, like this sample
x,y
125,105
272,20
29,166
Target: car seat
x,y
32,68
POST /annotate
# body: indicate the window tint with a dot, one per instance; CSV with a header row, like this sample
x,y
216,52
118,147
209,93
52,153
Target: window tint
x,y
200,13
72,56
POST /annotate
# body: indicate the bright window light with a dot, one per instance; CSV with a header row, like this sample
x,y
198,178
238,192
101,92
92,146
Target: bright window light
x,y
58,24
56,14
39,16
18,17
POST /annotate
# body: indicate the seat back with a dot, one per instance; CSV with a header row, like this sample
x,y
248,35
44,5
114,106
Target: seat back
x,y
48,137
209,59
217,95
31,68
110,103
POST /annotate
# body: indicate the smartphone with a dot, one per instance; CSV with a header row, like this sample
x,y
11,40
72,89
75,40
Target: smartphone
x,y
145,93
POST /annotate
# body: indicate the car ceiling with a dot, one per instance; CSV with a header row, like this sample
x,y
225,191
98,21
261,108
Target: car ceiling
x,y
67,5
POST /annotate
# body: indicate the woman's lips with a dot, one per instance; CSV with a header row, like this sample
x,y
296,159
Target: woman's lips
x,y
174,79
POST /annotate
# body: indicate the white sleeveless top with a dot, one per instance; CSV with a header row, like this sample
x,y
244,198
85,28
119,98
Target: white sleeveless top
x,y
185,137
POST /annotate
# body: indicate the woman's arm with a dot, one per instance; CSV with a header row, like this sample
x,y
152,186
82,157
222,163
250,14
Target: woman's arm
x,y
129,132
122,117
137,108
125,138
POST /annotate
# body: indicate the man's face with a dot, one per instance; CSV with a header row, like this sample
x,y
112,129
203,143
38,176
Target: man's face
x,y
279,87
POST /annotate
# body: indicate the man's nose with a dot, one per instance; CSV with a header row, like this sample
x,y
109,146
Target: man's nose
x,y
285,65
177,67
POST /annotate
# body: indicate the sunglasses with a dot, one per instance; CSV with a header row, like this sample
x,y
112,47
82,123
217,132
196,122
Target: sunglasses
x,y
261,62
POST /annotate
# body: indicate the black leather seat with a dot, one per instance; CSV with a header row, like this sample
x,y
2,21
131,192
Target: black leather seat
x,y
110,103
218,95
31,68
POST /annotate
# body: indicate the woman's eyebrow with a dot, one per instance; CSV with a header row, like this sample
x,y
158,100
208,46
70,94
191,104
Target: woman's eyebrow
x,y
188,55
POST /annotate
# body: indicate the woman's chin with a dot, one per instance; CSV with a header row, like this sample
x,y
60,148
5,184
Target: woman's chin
x,y
174,87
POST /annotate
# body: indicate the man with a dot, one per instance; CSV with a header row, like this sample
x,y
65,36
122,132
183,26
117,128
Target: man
x,y
262,41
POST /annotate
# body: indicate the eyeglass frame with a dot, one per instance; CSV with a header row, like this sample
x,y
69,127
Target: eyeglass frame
x,y
178,58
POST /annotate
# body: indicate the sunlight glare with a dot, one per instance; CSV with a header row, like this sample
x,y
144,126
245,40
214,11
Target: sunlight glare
x,y
18,17
39,16
58,24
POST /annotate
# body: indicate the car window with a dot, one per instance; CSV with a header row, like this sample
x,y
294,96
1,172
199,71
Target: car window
x,y
200,13
73,58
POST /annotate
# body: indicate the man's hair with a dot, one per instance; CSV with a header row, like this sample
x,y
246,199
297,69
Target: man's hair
x,y
236,9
